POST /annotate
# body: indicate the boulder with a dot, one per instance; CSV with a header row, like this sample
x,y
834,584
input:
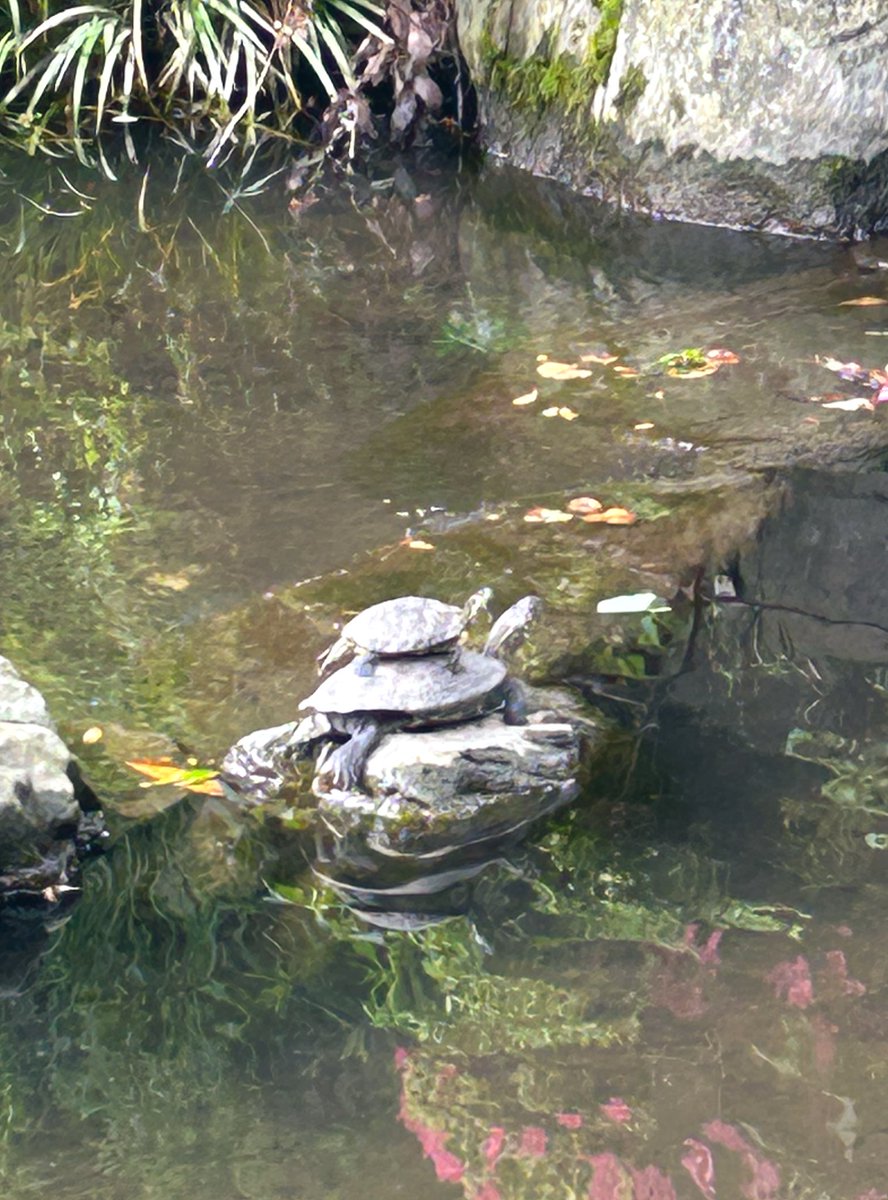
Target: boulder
x,y
430,793
747,113
40,814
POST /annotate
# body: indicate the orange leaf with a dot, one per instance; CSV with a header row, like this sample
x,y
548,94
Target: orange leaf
x,y
611,516
626,372
693,372
209,787
163,771
584,504
862,302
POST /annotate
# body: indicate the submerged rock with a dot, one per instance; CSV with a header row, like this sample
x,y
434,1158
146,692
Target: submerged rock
x,y
762,115
430,793
41,817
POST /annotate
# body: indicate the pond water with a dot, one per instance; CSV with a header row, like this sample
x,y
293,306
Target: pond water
x,y
222,423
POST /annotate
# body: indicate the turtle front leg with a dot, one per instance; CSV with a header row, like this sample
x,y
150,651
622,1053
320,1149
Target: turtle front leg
x,y
344,766
515,706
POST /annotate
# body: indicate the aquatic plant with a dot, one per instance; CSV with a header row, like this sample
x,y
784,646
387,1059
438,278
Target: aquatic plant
x,y
205,70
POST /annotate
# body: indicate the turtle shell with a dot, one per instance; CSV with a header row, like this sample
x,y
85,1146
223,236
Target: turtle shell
x,y
406,625
435,688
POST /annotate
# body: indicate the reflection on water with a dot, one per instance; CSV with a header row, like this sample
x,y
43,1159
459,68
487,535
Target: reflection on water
x,y
673,990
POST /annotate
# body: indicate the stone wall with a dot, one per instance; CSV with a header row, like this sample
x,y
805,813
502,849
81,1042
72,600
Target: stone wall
x,y
750,113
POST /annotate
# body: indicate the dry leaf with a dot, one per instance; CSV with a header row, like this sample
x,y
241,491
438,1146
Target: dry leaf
x,y
417,544
546,516
722,357
660,395
584,504
862,302
175,583
643,425
164,771
810,421
92,735
852,405
611,516
561,370
567,414
551,412
542,358
527,398
626,372
210,787
603,360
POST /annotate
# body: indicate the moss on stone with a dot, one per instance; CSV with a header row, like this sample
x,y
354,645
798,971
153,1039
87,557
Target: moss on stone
x,y
632,85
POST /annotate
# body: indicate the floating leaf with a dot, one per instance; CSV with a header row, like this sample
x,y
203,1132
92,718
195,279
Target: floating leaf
x,y
626,372
584,504
527,398
611,516
722,357
417,544
561,370
862,302
164,771
567,414
635,602
603,360
852,405
692,372
546,516
92,735
643,425
175,583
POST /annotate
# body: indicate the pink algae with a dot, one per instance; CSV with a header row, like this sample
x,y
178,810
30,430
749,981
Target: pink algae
x,y
697,1161
533,1141
493,1145
837,967
616,1110
488,1191
569,1120
609,1179
792,982
652,1184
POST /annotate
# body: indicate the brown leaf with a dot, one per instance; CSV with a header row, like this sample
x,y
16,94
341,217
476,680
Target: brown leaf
x,y
692,372
722,357
546,516
611,516
584,504
626,372
862,302
561,371
603,360
429,92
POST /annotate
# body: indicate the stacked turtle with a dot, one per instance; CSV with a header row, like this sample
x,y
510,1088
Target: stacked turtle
x,y
397,665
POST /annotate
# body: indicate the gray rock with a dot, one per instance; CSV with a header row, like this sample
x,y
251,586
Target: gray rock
x,y
19,700
429,793
37,800
749,113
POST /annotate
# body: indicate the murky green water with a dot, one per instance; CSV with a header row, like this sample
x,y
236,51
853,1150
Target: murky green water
x,y
677,988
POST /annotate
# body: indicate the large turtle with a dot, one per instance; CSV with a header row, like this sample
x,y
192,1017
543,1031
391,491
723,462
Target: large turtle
x,y
407,625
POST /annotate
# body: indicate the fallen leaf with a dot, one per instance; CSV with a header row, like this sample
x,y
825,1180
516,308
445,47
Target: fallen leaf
x,y
163,771
561,370
723,357
542,358
584,504
603,360
643,425
660,395
417,544
852,405
611,516
810,421
552,411
862,302
92,735
527,398
210,787
567,414
546,516
635,602
626,372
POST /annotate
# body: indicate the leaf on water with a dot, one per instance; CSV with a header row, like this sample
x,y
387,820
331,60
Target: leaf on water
x,y
659,394
626,372
567,414
852,405
611,516
634,602
603,360
546,516
417,544
527,398
643,425
561,370
163,771
552,411
92,735
678,372
175,583
722,356
810,421
862,302
584,504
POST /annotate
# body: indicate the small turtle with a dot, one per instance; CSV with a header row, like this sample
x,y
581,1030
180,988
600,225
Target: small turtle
x,y
407,625
401,693
510,628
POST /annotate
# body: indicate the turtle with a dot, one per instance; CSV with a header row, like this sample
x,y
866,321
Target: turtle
x,y
407,625
412,692
510,628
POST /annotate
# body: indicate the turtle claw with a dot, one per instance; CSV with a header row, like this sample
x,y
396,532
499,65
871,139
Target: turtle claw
x,y
344,766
